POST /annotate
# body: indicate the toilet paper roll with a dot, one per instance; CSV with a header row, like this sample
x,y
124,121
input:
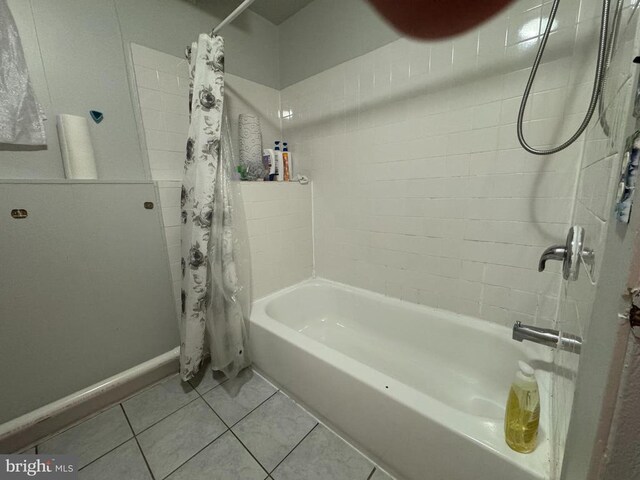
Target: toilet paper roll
x,y
250,145
78,157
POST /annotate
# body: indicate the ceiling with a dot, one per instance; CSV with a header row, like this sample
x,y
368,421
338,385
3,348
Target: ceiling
x,y
277,11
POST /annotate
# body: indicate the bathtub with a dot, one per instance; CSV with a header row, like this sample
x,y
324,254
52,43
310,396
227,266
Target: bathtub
x,y
420,390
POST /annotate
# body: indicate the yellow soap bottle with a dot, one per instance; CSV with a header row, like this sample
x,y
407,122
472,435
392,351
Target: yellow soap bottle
x,y
522,416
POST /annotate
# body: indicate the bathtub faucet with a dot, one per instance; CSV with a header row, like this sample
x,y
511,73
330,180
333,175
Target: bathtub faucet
x,y
547,337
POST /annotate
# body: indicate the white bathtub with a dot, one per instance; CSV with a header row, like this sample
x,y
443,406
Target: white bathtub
x,y
419,389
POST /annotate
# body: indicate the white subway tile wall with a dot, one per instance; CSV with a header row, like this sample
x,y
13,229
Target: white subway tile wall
x,y
421,189
280,234
279,215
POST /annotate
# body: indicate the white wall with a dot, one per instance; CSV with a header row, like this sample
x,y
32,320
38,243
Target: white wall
x,y
84,291
326,33
278,214
77,54
421,189
623,450
251,42
74,53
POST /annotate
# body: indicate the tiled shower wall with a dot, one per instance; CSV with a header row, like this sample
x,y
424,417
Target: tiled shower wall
x,y
422,191
278,215
599,174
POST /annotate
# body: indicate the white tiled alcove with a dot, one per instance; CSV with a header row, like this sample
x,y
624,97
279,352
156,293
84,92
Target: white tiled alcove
x,y
278,214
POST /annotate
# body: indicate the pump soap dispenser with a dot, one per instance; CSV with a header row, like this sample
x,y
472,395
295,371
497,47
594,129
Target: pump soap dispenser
x,y
522,416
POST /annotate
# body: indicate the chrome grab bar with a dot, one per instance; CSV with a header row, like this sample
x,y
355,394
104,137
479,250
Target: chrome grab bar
x,y
548,337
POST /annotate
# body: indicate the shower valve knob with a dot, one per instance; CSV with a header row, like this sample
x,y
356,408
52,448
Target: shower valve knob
x,y
569,254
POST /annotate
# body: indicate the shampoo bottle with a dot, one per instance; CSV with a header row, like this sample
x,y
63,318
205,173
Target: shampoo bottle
x,y
286,160
522,416
269,159
279,163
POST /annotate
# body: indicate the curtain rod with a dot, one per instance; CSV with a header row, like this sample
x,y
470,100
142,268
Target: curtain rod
x,y
230,18
241,8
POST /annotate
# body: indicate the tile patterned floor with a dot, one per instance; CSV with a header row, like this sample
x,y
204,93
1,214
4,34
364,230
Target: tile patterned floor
x,y
240,429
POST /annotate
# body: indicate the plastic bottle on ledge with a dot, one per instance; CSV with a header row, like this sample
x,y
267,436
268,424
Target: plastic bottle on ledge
x,y
522,416
279,163
288,163
269,159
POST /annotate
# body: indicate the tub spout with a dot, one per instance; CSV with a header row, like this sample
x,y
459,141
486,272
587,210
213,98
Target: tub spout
x,y
548,337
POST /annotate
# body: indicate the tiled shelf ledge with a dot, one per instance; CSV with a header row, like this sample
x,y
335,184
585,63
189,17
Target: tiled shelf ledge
x,y
64,181
244,182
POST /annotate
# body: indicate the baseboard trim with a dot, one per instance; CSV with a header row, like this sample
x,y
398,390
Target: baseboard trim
x,y
27,429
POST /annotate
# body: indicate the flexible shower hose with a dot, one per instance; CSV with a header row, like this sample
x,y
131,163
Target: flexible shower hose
x,y
597,83
611,46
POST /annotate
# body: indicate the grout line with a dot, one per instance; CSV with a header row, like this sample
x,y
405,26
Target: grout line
x,y
313,233
144,457
166,416
294,447
79,422
118,446
199,397
371,474
146,462
230,430
249,451
258,406
244,416
209,389
198,452
106,453
86,419
248,413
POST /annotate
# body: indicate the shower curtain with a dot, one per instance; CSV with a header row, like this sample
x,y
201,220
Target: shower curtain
x,y
212,322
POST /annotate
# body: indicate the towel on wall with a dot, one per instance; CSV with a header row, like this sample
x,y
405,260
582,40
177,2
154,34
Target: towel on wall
x,y
21,116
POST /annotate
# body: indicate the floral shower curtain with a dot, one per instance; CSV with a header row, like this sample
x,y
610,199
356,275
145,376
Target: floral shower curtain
x,y
212,321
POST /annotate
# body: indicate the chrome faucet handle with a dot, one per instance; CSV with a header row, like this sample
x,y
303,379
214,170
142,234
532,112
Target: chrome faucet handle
x,y
555,252
569,254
